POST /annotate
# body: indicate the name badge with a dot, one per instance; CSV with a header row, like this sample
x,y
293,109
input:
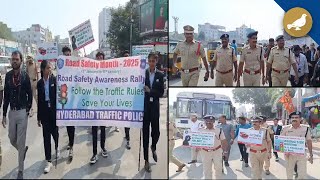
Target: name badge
x,y
49,104
151,99
157,80
52,85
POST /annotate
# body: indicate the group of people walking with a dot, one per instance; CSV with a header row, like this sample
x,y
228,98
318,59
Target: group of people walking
x,y
20,87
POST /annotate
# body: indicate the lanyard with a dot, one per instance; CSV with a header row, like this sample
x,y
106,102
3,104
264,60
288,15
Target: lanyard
x,y
298,62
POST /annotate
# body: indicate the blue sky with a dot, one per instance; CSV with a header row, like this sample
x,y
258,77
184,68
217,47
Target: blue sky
x,y
59,15
265,16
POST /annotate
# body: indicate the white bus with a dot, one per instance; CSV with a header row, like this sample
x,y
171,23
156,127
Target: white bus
x,y
202,104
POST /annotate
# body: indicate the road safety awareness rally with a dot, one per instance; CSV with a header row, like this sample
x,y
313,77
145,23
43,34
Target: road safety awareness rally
x,y
100,93
249,136
198,139
289,144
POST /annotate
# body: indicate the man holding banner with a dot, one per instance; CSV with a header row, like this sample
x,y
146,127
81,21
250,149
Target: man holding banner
x,y
99,56
297,130
70,129
154,89
258,143
127,129
213,154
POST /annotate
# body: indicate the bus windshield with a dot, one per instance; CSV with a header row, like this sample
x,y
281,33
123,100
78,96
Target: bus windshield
x,y
213,45
218,108
187,106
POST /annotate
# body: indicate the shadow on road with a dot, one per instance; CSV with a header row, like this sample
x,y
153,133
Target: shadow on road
x,y
195,172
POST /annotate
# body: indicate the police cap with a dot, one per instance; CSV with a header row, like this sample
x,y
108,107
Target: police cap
x,y
279,37
224,36
257,118
295,113
188,29
209,118
254,33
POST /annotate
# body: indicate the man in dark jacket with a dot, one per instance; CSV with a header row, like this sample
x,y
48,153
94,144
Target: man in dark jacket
x,y
154,89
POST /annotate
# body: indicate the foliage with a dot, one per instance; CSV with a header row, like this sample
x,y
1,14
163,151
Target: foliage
x,y
5,32
119,31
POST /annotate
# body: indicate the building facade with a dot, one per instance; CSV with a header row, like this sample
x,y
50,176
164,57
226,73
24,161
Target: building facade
x,y
33,35
104,24
211,32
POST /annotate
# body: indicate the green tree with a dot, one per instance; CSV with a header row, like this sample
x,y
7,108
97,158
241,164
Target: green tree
x,y
201,36
5,32
119,30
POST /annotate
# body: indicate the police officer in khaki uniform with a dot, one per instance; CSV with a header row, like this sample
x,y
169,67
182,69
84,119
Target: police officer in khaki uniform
x,y
32,70
298,130
224,59
280,60
189,51
172,132
214,154
258,154
270,131
252,58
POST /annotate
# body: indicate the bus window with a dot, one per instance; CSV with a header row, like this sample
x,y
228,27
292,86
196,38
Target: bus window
x,y
218,108
196,107
183,110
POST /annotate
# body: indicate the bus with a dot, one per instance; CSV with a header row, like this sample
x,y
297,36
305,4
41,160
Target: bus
x,y
202,104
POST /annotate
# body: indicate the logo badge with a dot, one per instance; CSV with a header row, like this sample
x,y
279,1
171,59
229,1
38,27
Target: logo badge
x,y
143,63
60,63
297,22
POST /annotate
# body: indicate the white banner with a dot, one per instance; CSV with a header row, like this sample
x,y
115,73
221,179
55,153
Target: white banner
x,y
289,144
100,93
198,139
81,35
250,136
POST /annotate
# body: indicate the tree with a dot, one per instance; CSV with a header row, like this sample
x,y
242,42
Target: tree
x,y
5,32
119,31
202,36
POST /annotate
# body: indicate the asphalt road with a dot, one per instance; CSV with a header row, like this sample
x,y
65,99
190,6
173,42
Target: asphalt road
x,y
236,170
120,164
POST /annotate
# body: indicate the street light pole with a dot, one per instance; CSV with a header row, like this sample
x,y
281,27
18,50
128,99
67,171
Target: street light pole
x,y
131,22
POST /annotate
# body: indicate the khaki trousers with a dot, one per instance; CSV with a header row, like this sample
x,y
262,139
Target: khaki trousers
x,y
301,163
172,158
251,80
279,79
190,79
257,160
224,79
207,159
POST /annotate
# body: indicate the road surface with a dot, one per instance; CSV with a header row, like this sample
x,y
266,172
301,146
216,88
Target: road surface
x,y
236,170
121,163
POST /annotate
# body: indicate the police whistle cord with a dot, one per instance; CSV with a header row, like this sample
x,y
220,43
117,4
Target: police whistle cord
x,y
139,151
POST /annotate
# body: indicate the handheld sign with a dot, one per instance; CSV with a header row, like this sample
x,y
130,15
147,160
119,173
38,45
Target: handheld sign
x,y
198,139
81,35
47,51
289,144
250,136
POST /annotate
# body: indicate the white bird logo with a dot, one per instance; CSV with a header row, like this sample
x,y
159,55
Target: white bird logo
x,y
297,24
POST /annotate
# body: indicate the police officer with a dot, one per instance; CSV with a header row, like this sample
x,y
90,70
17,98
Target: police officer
x,y
270,131
253,61
214,154
297,130
280,60
172,132
258,154
223,61
32,70
189,51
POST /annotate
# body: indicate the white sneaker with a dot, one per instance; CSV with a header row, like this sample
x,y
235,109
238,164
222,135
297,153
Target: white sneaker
x,y
48,167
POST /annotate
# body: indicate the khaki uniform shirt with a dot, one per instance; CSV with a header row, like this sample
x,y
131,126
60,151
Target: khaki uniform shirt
x,y
188,53
301,131
266,138
265,125
281,59
172,131
32,71
217,140
224,59
251,57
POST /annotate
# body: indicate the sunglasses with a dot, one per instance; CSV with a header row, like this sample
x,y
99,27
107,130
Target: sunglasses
x,y
188,33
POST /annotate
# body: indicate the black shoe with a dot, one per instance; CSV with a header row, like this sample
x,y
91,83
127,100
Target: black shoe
x,y
128,145
25,153
20,175
226,163
154,154
246,165
94,159
193,161
147,167
267,172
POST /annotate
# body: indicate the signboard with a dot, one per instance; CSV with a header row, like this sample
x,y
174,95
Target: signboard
x,y
147,17
100,93
250,136
289,144
47,51
198,139
161,16
81,35
163,49
142,50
